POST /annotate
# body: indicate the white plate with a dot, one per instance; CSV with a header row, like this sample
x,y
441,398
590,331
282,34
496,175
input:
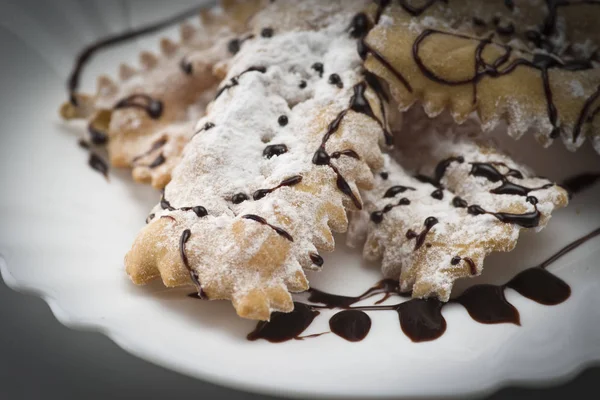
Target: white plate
x,y
64,231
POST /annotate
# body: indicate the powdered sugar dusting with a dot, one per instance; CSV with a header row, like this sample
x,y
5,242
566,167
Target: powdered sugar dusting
x,y
429,270
224,165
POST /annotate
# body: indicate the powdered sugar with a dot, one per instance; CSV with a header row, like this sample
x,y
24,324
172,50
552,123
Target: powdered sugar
x,y
429,269
225,164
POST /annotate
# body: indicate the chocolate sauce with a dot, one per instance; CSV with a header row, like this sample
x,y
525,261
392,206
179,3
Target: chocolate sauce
x,y
373,82
282,120
86,54
274,150
280,231
234,46
335,79
239,198
491,173
316,259
438,194
377,216
319,68
526,220
586,116
260,193
348,153
98,164
267,32
186,66
360,26
321,157
429,223
97,137
579,183
352,325
459,202
472,267
421,319
198,210
394,190
364,49
284,326
158,161
155,146
488,305
165,204
541,286
185,236
152,107
235,80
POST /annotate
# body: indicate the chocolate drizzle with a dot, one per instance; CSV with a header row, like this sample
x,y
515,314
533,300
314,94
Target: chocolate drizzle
x,y
352,325
274,150
86,54
235,80
152,107
335,79
239,198
491,173
285,326
185,236
503,65
158,161
440,171
260,193
316,259
280,231
394,190
421,319
155,146
98,164
429,223
198,210
377,216
359,104
459,202
319,68
526,220
97,137
579,183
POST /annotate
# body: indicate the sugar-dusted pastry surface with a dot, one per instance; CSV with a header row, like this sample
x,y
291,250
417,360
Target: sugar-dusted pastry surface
x,y
279,158
149,113
457,200
535,66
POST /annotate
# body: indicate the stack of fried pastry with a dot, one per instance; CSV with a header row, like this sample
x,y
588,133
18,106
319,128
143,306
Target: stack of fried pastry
x,y
271,123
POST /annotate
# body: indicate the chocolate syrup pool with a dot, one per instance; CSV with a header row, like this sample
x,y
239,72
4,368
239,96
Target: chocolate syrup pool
x,y
420,320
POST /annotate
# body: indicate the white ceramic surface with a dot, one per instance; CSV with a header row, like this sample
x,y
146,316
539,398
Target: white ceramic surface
x,y
64,231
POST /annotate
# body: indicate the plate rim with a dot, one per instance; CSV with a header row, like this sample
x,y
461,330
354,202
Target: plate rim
x,y
576,366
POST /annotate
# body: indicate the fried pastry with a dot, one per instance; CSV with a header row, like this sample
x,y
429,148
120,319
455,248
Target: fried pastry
x,y
533,64
290,138
149,114
460,200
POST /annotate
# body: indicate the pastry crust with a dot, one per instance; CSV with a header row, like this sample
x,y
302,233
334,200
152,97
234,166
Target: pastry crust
x,y
459,199
291,137
534,67
148,115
